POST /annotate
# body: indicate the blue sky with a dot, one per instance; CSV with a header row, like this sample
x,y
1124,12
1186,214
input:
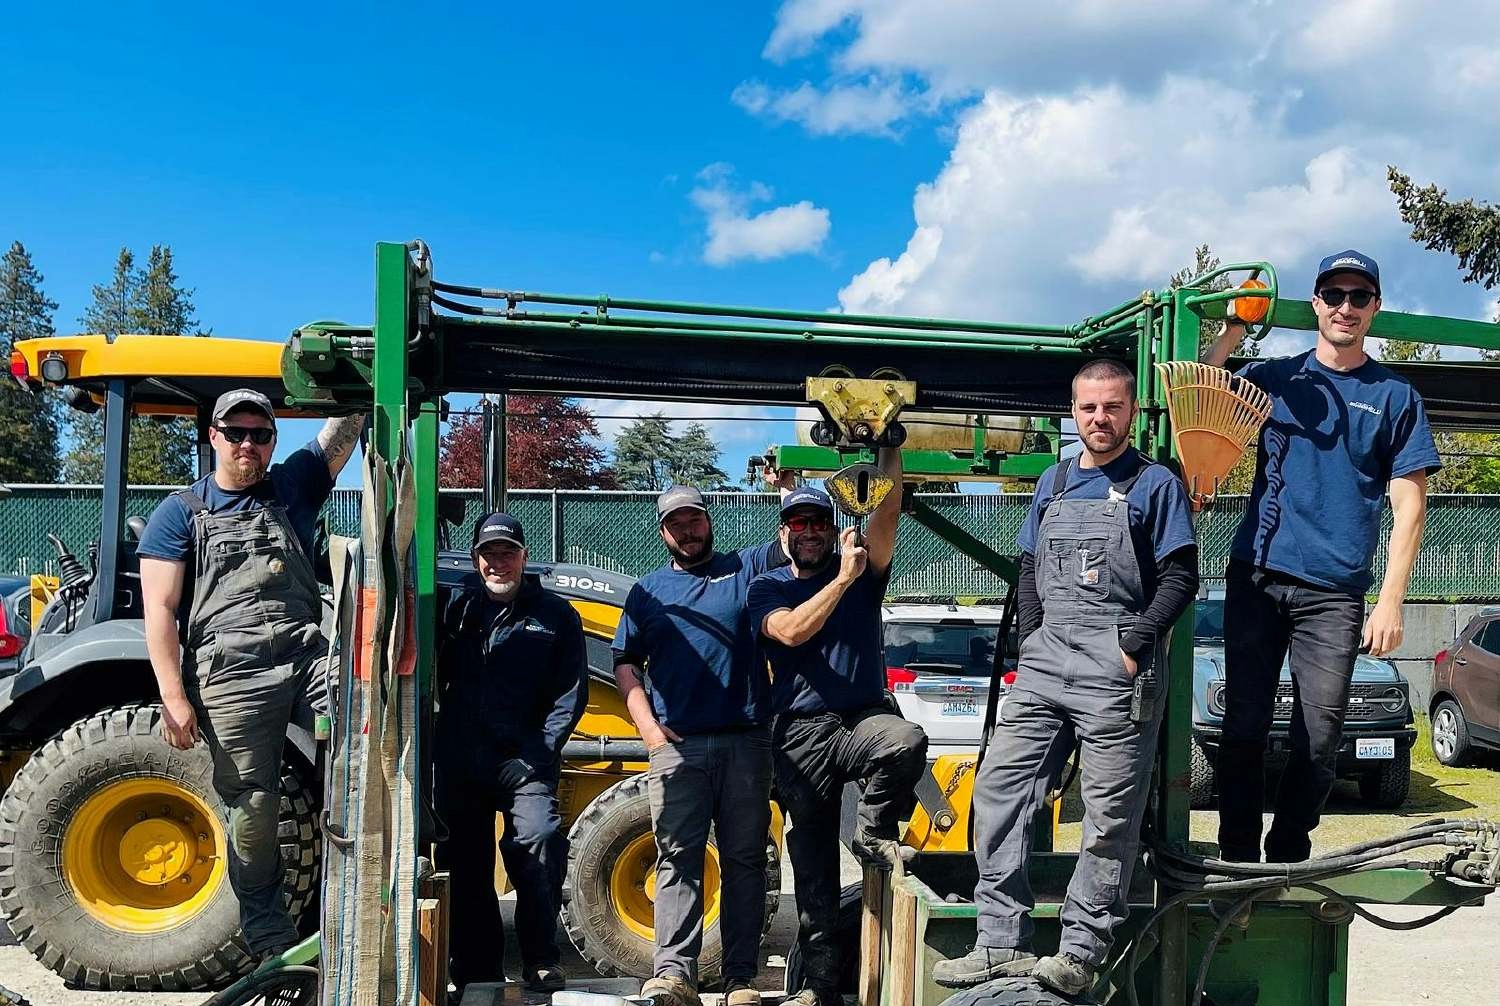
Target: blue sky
x,y
912,157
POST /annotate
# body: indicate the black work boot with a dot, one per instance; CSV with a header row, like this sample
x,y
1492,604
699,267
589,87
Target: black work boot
x,y
1065,973
983,964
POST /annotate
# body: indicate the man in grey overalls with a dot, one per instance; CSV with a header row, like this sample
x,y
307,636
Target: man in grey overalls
x,y
245,656
1108,563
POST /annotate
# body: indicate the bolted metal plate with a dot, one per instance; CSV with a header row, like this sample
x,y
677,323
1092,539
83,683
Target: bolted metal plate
x,y
859,489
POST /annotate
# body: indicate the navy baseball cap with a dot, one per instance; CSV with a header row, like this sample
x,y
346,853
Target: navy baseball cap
x,y
678,497
806,496
1348,260
499,526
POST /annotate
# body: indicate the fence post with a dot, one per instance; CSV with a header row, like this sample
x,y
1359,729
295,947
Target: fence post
x,y
557,549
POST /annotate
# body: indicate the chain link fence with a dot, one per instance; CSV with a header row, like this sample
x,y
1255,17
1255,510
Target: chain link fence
x,y
1459,560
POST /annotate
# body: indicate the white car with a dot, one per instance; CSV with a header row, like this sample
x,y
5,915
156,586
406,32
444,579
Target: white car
x,y
939,658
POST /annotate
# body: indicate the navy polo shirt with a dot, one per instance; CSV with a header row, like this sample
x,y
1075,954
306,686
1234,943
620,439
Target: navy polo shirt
x,y
690,630
1161,520
1333,443
842,667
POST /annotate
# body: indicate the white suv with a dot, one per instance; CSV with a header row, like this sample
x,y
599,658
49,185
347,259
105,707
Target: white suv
x,y
939,658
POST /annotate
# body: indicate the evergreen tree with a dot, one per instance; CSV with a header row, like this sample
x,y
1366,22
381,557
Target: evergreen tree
x,y
695,459
150,301
643,454
29,421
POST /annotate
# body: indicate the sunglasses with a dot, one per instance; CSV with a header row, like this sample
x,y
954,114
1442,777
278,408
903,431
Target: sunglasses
x,y
802,522
1334,296
259,435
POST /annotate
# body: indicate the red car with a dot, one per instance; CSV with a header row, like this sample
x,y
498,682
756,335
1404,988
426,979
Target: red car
x,y
1466,691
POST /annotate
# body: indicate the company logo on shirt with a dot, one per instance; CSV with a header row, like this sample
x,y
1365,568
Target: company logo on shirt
x,y
721,579
1366,408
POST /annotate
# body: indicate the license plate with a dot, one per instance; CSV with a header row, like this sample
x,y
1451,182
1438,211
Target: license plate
x,y
1375,747
961,707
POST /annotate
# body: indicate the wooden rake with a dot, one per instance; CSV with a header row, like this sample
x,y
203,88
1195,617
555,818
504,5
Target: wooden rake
x,y
1215,416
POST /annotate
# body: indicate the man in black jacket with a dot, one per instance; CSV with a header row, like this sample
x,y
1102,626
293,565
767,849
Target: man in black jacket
x,y
513,683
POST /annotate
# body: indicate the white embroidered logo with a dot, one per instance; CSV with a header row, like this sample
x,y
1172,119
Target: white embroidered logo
x,y
1367,408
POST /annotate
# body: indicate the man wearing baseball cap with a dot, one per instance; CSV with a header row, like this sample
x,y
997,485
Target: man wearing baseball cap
x,y
512,685
819,620
1344,432
686,631
232,613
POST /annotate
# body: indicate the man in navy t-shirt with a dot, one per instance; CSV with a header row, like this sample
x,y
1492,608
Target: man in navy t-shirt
x,y
235,645
1344,432
705,728
820,622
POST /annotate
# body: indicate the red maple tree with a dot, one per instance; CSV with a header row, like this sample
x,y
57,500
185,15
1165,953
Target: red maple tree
x,y
548,445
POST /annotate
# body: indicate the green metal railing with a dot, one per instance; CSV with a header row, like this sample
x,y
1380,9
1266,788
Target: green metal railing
x,y
1460,557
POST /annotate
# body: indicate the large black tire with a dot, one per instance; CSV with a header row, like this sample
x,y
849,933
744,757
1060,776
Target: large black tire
x,y
1200,777
618,817
1012,992
851,902
38,896
1450,734
1387,786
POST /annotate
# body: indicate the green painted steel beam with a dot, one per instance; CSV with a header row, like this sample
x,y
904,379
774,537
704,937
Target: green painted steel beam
x,y
1424,328
1002,566
940,466
1395,886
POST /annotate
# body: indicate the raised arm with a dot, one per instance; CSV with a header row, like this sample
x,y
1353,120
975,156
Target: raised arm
x,y
1384,628
161,592
795,626
337,438
1224,346
880,532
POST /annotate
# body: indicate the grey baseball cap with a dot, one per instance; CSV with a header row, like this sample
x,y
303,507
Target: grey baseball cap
x,y
678,497
243,398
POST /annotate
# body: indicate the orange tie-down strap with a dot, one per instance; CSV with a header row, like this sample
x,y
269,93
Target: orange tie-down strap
x,y
364,637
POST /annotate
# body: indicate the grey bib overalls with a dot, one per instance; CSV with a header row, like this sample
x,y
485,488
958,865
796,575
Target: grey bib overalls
x,y
252,663
1072,687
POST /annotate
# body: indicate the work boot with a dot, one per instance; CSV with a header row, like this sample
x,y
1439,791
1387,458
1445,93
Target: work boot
x,y
1065,973
670,990
807,997
545,980
737,992
981,965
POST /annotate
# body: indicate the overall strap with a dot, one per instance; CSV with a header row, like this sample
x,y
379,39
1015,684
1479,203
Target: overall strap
x,y
1124,486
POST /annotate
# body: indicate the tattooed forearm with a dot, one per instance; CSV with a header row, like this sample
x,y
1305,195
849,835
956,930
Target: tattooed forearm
x,y
337,438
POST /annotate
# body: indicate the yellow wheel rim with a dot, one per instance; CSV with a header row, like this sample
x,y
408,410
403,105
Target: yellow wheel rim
x,y
632,886
144,855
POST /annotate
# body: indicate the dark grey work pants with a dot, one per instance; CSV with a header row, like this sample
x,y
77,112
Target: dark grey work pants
x,y
723,780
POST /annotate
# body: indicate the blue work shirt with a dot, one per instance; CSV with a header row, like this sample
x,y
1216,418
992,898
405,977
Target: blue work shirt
x,y
301,485
690,630
1333,443
1161,521
842,667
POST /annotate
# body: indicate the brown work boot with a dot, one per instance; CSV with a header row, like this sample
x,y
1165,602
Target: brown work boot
x,y
670,990
738,992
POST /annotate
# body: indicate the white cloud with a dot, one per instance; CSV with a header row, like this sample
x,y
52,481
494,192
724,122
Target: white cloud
x,y
871,106
735,235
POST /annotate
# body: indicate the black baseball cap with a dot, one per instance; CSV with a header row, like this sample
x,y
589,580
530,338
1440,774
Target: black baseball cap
x,y
498,526
240,399
678,497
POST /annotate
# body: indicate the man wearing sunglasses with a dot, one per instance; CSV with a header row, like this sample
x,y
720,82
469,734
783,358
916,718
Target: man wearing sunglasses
x,y
232,614
685,628
820,622
1345,432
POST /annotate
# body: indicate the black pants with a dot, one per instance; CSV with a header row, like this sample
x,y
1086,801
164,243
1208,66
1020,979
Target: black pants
x,y
814,756
535,851
1265,615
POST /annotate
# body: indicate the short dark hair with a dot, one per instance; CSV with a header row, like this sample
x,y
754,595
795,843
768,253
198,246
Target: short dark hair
x,y
1105,369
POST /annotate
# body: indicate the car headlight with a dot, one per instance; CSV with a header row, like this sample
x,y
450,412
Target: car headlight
x,y
1216,697
1392,700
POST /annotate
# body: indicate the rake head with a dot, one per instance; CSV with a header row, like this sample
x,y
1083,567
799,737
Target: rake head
x,y
1215,416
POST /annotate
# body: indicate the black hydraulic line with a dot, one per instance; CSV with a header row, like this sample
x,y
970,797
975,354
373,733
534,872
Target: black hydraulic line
x,y
1391,924
469,309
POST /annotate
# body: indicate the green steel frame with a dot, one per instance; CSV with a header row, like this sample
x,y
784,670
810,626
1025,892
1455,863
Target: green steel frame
x,y
414,355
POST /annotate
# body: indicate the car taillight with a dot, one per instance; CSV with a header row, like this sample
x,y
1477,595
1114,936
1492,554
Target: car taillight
x,y
1008,678
1442,655
899,679
18,365
10,643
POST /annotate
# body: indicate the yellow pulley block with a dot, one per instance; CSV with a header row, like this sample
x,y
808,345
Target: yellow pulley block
x,y
859,489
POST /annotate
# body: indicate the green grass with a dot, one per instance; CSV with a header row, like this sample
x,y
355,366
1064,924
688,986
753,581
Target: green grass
x,y
1436,791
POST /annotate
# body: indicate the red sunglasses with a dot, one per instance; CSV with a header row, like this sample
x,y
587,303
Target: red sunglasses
x,y
801,522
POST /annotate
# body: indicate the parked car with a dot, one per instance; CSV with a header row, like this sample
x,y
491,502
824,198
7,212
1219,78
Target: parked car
x,y
1465,705
15,621
1378,730
939,657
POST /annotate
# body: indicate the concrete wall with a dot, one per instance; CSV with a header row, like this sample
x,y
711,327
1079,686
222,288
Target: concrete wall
x,y
1429,628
